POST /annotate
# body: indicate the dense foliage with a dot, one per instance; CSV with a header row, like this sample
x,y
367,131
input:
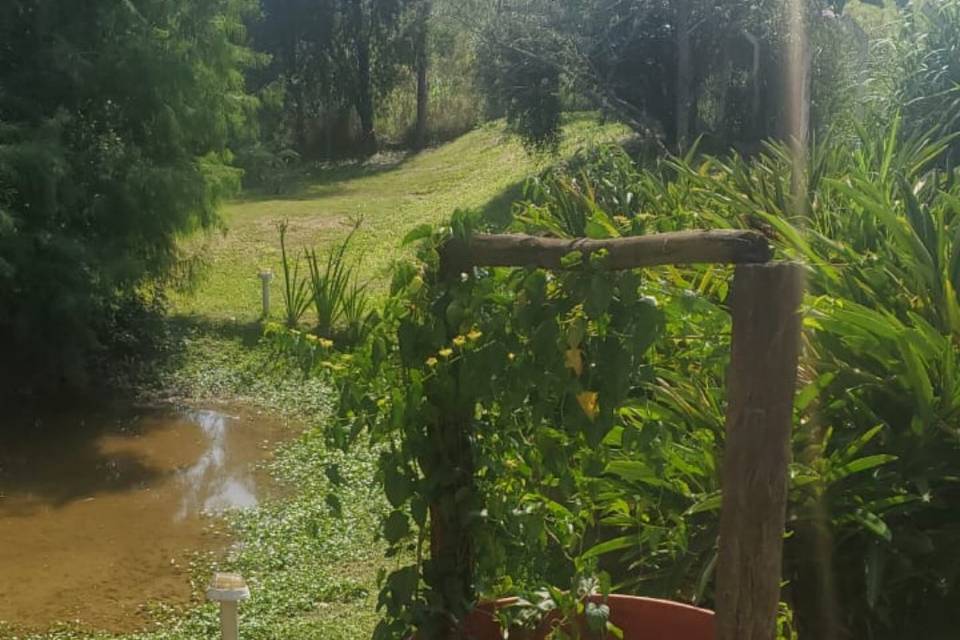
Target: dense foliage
x,y
346,76
678,70
331,60
559,428
609,462
114,126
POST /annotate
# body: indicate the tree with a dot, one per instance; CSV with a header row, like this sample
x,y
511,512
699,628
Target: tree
x,y
115,131
421,63
670,69
332,58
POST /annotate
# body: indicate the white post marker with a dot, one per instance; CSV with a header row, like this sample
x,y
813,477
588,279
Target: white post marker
x,y
265,278
228,589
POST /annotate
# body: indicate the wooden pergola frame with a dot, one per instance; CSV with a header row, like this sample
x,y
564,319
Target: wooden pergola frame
x,y
761,385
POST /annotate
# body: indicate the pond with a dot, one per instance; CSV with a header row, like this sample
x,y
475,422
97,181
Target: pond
x,y
102,514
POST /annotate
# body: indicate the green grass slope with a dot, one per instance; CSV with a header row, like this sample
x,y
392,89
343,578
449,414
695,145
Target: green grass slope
x,y
392,195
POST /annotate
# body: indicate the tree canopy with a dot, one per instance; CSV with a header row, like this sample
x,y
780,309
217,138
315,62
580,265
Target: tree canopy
x,y
115,124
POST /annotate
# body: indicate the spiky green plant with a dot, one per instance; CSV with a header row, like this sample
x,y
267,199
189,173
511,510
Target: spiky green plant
x,y
296,292
330,282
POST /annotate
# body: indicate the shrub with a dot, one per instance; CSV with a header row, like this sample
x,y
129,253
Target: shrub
x,y
876,436
114,130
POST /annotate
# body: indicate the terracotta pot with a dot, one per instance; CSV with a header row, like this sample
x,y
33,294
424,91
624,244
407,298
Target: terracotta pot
x,y
638,618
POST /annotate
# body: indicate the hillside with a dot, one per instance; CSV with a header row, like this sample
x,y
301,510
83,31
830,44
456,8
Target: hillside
x,y
392,194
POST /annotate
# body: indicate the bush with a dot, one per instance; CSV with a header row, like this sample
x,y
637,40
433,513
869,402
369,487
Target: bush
x,y
608,464
873,501
114,132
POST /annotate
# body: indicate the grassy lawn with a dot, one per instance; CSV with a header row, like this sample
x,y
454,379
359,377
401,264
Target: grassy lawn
x,y
393,194
312,560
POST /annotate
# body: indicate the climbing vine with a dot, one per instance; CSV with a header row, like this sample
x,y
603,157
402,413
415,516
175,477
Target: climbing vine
x,y
491,392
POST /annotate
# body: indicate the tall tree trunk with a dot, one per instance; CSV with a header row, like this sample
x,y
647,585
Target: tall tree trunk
x,y
756,117
364,104
683,74
422,64
296,80
798,103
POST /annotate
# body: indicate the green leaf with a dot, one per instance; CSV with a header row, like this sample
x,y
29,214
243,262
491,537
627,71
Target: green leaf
x,y
879,324
418,509
403,583
333,502
614,544
571,259
857,445
874,524
859,466
419,232
916,375
332,471
633,471
599,226
396,527
810,392
711,502
397,486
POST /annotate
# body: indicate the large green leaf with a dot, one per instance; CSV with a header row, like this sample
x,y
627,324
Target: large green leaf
x,y
859,466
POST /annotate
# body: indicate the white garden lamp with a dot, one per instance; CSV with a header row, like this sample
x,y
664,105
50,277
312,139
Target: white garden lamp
x,y
228,589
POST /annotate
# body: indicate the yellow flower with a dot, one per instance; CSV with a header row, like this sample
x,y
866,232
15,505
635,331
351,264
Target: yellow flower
x,y
459,341
312,338
431,361
573,359
326,344
511,356
474,334
445,353
588,402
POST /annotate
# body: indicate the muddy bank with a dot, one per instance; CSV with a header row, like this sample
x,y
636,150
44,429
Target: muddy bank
x,y
102,513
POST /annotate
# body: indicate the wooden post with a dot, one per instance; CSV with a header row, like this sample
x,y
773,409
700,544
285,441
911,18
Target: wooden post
x,y
265,278
760,389
450,574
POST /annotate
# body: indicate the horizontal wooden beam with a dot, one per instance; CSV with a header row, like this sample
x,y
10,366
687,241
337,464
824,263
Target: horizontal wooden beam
x,y
722,246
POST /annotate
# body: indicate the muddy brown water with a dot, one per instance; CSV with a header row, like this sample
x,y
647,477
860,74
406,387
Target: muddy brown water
x,y
101,515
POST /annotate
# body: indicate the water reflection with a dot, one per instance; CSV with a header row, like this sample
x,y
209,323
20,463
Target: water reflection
x,y
211,484
101,514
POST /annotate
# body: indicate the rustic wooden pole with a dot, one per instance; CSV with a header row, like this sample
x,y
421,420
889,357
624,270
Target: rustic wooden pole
x,y
722,246
760,390
265,278
449,574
